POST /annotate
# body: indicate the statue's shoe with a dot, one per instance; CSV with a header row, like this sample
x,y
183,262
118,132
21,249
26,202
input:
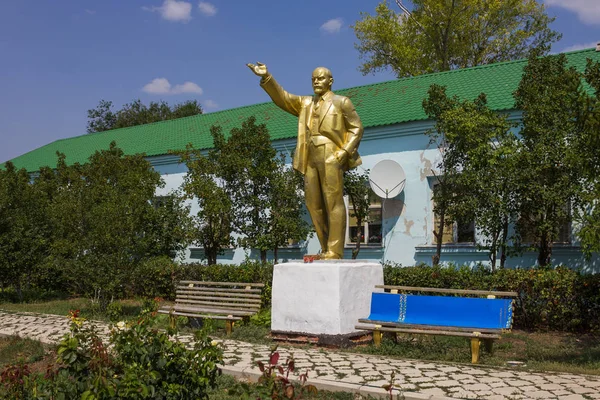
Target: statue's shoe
x,y
330,255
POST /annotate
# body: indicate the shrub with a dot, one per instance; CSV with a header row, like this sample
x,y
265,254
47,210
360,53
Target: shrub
x,y
140,363
548,298
154,277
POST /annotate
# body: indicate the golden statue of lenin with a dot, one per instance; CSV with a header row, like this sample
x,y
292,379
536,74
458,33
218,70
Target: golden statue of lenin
x,y
329,132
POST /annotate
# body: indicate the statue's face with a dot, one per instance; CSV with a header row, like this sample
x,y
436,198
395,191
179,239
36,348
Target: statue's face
x,y
321,80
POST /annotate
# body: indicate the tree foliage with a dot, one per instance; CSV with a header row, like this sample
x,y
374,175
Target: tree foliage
x,y
83,228
23,227
480,151
213,220
441,35
587,142
243,187
356,187
548,175
103,118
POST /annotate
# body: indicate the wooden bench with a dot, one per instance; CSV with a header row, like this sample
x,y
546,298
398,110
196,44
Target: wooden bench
x,y
461,313
229,301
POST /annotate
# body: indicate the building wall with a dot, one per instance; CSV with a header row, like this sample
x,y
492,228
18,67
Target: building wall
x,y
407,219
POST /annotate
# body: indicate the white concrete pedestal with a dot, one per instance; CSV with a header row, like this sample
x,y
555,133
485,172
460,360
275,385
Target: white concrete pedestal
x,y
322,297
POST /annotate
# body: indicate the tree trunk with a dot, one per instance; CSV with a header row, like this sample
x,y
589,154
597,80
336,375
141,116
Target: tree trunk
x,y
503,245
545,251
493,253
211,255
358,239
275,254
263,256
438,237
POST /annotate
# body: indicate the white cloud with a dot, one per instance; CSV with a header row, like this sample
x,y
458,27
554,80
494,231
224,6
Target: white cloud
x,y
207,9
332,26
163,86
588,11
187,87
580,46
210,104
174,10
91,12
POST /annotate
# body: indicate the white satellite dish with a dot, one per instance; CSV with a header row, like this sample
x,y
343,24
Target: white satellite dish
x,y
387,179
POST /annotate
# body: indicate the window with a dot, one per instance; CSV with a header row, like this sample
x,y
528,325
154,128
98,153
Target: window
x,y
371,229
527,227
461,231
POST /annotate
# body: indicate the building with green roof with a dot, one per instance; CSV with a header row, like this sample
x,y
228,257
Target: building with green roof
x,y
394,122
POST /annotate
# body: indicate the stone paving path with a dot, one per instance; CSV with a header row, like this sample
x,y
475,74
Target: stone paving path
x,y
344,371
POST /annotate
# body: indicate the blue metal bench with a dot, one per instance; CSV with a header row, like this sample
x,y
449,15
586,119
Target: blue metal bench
x,y
481,319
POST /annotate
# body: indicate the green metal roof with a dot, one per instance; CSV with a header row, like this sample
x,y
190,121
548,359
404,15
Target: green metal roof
x,y
385,103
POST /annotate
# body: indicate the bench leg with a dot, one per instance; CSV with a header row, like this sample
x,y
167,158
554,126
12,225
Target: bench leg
x,y
228,326
489,345
377,337
475,350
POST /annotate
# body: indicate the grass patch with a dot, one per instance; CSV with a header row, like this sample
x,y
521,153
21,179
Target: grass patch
x,y
14,349
547,351
88,309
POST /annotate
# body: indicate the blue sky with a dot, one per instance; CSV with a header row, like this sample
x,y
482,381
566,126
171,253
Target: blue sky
x,y
58,58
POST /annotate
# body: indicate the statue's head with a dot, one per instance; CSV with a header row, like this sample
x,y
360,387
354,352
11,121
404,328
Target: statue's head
x,y
321,80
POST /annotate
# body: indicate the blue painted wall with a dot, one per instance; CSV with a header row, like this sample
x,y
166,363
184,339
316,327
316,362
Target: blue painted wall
x,y
407,218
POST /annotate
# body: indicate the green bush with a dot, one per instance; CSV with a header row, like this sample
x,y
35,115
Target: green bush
x,y
558,298
139,363
154,277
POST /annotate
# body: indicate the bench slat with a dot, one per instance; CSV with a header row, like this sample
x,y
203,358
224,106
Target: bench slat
x,y
217,289
429,327
228,295
200,316
452,291
222,298
200,283
211,310
210,303
430,332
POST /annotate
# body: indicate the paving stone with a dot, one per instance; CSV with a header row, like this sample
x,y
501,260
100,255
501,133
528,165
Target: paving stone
x,y
479,386
550,386
433,392
465,394
447,383
573,397
506,391
540,394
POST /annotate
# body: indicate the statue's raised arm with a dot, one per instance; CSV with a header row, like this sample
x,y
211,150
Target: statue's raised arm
x,y
259,69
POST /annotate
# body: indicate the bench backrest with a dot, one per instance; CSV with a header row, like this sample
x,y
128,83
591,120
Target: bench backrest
x,y
442,310
227,295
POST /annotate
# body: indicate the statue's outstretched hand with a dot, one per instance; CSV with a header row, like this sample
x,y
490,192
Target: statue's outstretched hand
x,y
259,69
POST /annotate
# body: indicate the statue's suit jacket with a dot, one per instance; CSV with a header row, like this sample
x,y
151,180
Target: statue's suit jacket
x,y
338,121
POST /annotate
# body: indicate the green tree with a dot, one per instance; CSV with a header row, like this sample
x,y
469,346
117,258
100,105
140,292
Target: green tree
x,y
23,228
450,194
213,221
441,35
102,118
287,216
356,187
587,151
485,150
265,213
549,181
104,222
